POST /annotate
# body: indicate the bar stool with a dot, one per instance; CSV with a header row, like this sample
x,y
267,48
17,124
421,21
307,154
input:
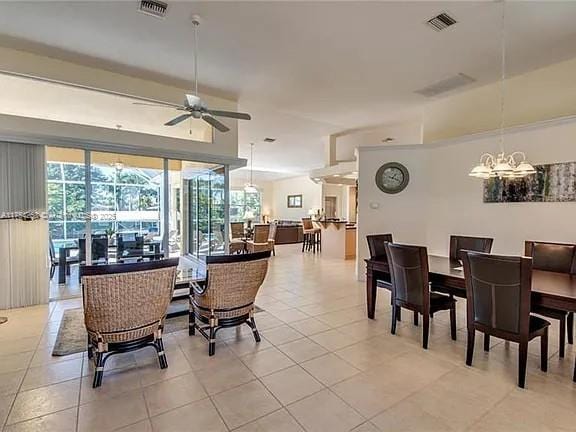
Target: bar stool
x,y
312,236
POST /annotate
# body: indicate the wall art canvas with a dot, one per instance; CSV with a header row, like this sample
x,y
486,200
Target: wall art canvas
x,y
551,183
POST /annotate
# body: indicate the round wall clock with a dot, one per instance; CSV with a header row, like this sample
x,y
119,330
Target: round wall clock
x,y
392,177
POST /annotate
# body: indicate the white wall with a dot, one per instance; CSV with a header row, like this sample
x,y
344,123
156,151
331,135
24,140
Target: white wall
x,y
340,193
311,197
442,200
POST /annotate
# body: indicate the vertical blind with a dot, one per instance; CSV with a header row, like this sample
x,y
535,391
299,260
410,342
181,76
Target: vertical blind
x,y
23,244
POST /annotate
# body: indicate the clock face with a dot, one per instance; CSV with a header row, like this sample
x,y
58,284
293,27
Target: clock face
x,y
392,177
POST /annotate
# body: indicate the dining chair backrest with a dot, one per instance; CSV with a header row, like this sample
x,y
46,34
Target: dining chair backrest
x,y
376,244
99,249
237,230
124,298
307,224
409,274
261,233
475,244
129,245
233,281
554,257
498,290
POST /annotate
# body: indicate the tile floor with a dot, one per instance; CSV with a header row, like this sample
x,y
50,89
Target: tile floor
x,y
321,366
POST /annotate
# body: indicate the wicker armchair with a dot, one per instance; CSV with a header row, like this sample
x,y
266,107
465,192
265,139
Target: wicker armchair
x,y
124,308
260,241
237,244
227,298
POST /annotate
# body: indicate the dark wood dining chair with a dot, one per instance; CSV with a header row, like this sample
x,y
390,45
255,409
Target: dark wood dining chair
x,y
130,246
498,291
411,288
464,243
377,249
559,258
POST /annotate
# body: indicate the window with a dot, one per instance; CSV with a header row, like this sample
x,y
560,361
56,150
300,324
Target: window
x,y
242,202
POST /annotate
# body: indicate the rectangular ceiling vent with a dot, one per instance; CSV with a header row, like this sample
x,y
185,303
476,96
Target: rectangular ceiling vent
x,y
446,85
441,22
153,7
269,140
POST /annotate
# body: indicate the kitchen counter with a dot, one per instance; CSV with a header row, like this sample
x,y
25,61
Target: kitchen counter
x,y
338,239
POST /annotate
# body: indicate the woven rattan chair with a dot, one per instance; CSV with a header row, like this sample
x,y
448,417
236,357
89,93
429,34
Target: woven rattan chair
x,y
227,298
237,243
124,308
261,239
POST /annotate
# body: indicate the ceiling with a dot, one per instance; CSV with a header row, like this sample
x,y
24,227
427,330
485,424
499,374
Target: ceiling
x,y
303,69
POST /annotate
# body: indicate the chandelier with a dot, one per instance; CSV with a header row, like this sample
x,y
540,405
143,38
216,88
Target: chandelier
x,y
249,187
513,165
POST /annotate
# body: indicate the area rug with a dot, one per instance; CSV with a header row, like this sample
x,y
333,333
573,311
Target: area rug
x,y
71,338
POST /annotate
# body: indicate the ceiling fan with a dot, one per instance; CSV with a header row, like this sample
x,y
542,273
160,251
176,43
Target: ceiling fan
x,y
194,106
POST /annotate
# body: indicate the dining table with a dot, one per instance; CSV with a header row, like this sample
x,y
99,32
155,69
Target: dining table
x,y
549,289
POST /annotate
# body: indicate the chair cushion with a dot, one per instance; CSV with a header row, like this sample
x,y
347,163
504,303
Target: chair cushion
x,y
440,301
549,312
537,323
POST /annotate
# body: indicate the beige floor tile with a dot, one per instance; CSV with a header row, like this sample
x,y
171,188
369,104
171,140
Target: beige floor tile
x,y
538,414
245,403
302,350
173,393
43,356
197,416
52,374
113,413
15,362
44,400
141,426
310,326
177,365
267,362
406,416
282,335
279,421
292,384
62,421
324,411
330,369
247,345
219,379
366,427
17,346
199,359
366,354
343,317
114,383
290,315
5,406
333,340
10,382
366,328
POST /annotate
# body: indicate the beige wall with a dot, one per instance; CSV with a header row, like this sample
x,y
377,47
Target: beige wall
x,y
22,62
311,197
442,200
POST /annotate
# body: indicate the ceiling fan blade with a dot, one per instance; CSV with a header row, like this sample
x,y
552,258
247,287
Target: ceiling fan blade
x,y
218,125
178,119
153,104
230,114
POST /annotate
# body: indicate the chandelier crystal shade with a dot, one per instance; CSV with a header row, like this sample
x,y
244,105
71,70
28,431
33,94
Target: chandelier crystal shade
x,y
501,165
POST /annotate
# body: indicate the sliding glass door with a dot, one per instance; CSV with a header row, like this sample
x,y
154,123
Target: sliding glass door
x,y
206,203
179,207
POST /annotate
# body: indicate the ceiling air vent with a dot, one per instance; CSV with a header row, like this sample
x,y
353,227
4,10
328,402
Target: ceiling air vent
x,y
153,7
441,22
445,85
269,140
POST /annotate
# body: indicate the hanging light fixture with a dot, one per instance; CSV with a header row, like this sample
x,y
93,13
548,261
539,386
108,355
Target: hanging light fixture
x,y
502,165
249,187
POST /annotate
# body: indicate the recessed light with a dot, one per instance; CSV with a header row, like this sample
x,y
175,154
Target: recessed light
x,y
336,175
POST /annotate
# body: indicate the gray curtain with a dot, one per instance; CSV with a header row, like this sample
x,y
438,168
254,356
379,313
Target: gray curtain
x,y
22,177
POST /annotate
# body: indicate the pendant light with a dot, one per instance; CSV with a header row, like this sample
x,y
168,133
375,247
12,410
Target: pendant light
x,y
501,165
249,187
